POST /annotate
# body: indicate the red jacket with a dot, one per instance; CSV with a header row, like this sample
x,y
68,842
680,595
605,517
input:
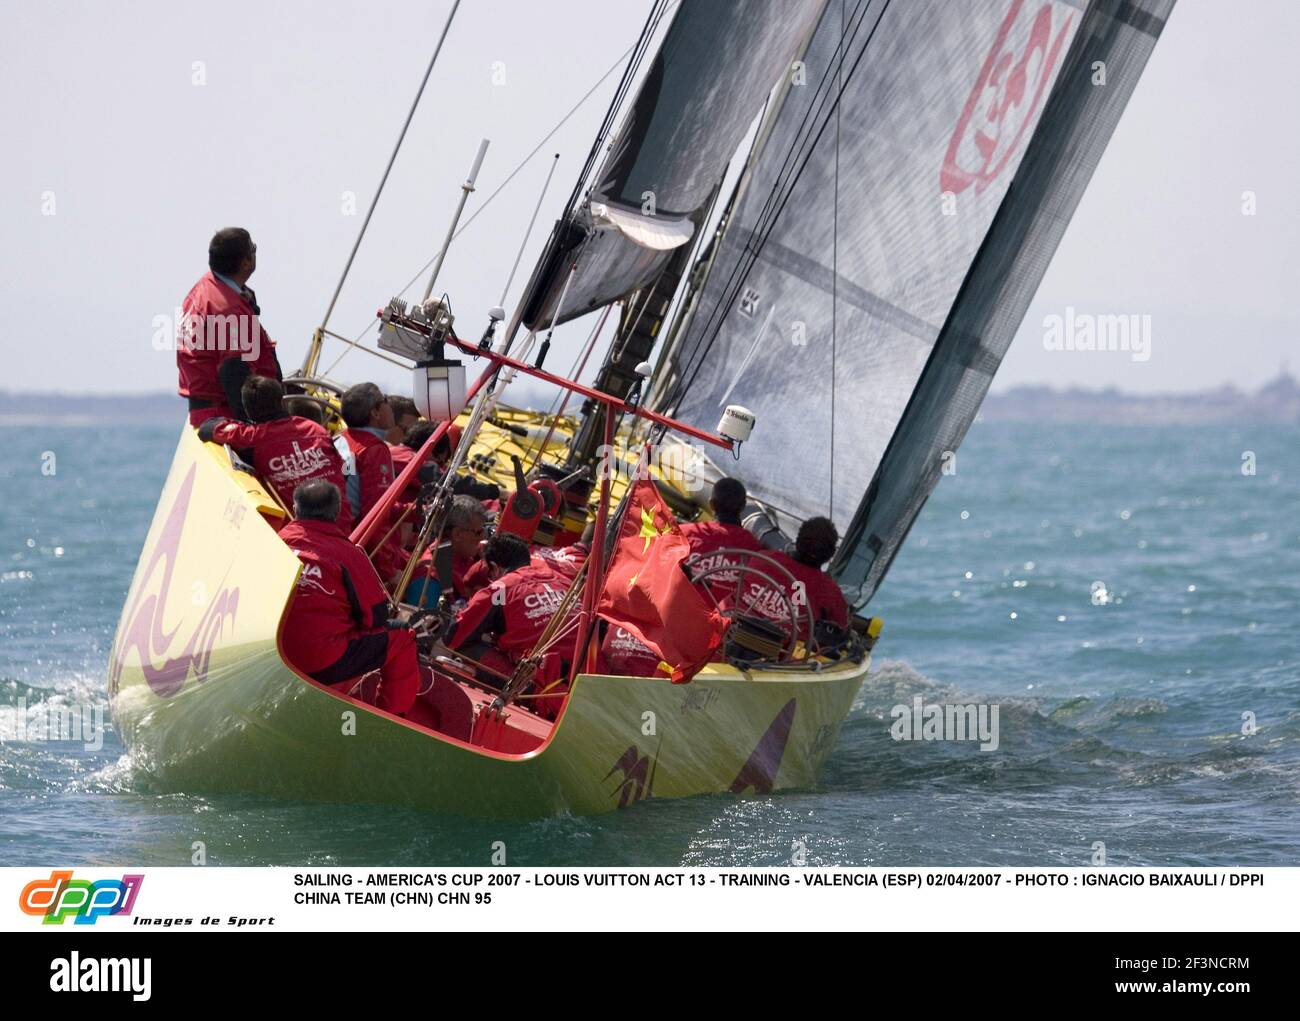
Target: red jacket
x,y
339,596
374,467
402,456
706,538
625,655
515,609
207,335
824,597
374,474
286,453
564,560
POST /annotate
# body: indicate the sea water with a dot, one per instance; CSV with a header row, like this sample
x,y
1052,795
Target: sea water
x,y
1125,597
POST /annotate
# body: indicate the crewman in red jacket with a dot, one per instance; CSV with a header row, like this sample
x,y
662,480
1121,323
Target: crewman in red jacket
x,y
368,416
435,467
405,415
724,532
567,560
625,655
502,623
813,587
338,626
219,340
287,450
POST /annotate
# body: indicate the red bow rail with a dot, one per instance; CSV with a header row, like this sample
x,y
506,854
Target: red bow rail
x,y
379,512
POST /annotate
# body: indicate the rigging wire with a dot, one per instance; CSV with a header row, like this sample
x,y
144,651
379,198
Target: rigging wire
x,y
657,12
835,278
767,217
777,200
401,136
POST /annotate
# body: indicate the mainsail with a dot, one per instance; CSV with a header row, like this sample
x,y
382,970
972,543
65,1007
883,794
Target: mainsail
x,y
892,233
718,61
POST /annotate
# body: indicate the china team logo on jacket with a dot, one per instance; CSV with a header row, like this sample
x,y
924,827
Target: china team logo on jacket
x,y
1007,97
300,464
85,901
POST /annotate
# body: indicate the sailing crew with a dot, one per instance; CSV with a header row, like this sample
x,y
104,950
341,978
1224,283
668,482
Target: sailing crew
x,y
433,468
463,484
724,532
305,407
465,532
502,622
404,450
567,560
287,450
813,547
455,561
405,415
338,626
368,417
219,340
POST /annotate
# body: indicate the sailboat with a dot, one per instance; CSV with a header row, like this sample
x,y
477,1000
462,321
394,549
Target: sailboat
x,y
898,176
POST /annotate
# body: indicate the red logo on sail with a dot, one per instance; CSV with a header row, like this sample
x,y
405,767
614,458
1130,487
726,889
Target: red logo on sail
x,y
1005,100
144,631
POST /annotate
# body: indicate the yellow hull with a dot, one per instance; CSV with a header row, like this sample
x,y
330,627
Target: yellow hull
x,y
205,702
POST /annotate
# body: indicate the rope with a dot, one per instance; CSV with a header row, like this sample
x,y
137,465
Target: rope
x,y
562,399
618,96
391,159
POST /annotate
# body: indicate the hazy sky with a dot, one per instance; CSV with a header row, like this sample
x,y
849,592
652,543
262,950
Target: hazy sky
x,y
143,126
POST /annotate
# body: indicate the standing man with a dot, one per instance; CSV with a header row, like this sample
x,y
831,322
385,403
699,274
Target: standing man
x,y
219,340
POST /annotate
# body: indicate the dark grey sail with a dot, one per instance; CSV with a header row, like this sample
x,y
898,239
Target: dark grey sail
x,y
718,62
886,248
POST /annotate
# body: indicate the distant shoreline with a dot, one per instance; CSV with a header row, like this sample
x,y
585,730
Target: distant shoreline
x,y
1277,401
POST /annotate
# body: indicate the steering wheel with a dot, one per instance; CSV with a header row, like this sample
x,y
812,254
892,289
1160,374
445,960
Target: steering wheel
x,y
315,381
774,581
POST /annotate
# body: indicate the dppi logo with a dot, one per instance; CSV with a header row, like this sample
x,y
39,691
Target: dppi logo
x,y
143,630
1005,100
61,896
